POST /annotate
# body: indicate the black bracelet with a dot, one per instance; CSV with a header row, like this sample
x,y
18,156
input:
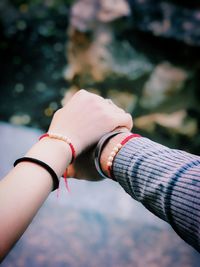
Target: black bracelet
x,y
44,165
100,146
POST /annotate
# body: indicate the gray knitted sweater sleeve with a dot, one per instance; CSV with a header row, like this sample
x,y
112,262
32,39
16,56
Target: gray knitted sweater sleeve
x,y
166,181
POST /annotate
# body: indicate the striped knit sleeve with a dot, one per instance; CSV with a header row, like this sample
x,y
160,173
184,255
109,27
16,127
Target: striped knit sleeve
x,y
166,181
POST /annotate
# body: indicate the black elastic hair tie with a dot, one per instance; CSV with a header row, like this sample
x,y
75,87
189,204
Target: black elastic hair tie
x,y
44,165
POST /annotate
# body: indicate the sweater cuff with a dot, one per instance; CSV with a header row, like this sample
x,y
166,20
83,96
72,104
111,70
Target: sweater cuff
x,y
126,158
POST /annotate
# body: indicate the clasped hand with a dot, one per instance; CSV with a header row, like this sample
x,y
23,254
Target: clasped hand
x,y
84,120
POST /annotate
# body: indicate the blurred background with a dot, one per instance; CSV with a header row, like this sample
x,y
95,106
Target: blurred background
x,y
145,56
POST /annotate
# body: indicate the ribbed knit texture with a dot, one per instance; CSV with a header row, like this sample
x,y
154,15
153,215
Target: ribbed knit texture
x,y
166,181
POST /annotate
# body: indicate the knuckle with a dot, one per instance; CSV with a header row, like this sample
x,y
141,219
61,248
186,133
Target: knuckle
x,y
130,120
129,116
85,96
122,110
82,91
57,113
80,94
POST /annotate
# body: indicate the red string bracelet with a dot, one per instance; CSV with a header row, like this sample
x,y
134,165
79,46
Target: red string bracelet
x,y
62,138
65,139
114,152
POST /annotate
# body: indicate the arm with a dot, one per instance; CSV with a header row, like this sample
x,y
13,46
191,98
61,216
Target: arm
x,y
84,119
25,188
165,181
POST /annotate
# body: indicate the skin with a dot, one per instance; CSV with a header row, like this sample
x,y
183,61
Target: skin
x,y
84,119
84,167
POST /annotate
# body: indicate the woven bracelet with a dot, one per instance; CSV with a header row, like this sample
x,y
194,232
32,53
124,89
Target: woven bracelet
x,y
115,151
62,138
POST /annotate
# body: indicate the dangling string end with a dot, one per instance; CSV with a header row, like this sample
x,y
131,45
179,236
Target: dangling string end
x,y
66,182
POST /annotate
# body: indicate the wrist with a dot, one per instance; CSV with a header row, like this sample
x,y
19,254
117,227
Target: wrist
x,y
56,153
108,149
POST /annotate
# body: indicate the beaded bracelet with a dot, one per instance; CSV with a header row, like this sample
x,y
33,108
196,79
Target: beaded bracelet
x,y
66,140
99,148
114,152
62,138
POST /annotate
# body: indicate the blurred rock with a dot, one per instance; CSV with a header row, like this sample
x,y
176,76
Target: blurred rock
x,y
122,99
86,14
87,56
23,119
127,63
147,63
169,19
163,83
93,52
112,9
177,122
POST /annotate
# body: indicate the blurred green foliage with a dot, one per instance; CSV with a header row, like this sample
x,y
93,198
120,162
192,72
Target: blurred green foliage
x,y
32,52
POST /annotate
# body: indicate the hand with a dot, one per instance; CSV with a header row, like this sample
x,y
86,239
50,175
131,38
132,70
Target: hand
x,y
86,118
84,168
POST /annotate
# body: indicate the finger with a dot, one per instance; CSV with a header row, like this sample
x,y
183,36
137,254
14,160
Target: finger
x,y
124,120
121,128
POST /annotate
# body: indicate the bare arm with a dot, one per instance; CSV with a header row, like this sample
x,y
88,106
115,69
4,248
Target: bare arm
x,y
83,120
25,188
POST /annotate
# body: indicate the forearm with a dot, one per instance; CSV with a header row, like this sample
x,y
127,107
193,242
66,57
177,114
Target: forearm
x,y
75,127
25,188
166,181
